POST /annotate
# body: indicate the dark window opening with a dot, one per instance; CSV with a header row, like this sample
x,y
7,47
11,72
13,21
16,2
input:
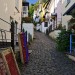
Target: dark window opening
x,y
46,24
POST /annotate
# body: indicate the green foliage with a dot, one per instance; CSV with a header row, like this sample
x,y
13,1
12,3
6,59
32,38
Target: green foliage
x,y
36,5
63,40
31,10
35,23
33,7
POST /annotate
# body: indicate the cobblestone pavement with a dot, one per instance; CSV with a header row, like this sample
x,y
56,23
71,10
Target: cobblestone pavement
x,y
46,60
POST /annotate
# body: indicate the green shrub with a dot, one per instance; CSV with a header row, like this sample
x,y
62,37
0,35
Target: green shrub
x,y
63,40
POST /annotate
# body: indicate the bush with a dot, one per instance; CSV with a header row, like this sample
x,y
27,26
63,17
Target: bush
x,y
63,40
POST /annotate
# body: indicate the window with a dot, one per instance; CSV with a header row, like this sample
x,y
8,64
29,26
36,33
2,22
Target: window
x,y
46,24
24,12
68,1
25,8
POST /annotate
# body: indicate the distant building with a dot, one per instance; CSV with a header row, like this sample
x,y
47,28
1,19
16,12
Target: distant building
x,y
54,9
25,8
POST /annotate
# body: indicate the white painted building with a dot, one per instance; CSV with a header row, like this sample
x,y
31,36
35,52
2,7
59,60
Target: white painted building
x,y
68,7
10,11
29,27
44,26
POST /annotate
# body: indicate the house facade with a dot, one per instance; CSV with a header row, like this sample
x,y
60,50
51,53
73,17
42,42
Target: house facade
x,y
10,22
54,8
68,7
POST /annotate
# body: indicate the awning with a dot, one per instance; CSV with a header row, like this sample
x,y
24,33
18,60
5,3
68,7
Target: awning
x,y
70,10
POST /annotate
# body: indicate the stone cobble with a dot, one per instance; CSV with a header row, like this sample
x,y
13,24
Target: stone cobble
x,y
46,60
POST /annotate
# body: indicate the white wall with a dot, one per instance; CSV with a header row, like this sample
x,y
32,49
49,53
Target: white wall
x,y
29,27
59,12
7,10
17,15
43,29
51,7
38,27
66,18
65,8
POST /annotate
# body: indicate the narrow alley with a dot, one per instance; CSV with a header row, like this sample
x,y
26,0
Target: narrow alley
x,y
46,60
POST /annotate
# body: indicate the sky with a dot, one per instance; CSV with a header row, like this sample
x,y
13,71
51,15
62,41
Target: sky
x,y
32,1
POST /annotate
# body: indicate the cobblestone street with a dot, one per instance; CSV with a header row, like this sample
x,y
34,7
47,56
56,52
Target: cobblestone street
x,y
46,60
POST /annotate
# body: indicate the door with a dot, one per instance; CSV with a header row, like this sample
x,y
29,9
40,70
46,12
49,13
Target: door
x,y
12,34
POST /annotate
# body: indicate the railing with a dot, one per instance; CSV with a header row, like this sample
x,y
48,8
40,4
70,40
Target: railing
x,y
3,37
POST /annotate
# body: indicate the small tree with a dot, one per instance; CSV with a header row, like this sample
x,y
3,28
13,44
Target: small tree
x,y
31,10
63,40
